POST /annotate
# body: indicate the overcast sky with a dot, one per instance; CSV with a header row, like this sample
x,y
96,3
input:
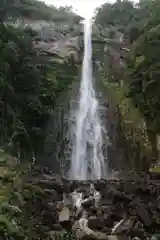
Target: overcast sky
x,y
83,7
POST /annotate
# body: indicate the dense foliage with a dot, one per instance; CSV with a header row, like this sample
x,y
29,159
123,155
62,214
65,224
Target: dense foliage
x,y
30,85
144,70
140,24
35,10
125,15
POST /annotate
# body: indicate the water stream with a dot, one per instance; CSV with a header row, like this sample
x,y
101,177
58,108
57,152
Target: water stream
x,y
87,157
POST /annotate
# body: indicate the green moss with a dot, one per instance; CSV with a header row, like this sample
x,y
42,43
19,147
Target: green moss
x,y
133,126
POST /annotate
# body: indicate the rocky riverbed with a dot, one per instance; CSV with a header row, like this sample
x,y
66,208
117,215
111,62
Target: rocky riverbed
x,y
113,209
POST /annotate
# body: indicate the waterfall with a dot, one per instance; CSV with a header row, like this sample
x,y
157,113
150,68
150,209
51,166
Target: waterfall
x,y
87,157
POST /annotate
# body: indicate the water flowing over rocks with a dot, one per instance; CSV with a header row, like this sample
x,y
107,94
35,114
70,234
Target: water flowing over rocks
x,y
103,209
87,161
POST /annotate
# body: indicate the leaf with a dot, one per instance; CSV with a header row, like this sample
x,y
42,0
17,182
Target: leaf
x,y
139,60
6,224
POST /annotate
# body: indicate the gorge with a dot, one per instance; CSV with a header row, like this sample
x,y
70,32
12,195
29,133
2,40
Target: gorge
x,y
79,132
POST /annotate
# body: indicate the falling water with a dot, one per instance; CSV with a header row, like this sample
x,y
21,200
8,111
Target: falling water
x,y
87,158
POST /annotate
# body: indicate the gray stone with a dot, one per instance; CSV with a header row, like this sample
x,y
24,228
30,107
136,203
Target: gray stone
x,y
64,214
57,227
95,223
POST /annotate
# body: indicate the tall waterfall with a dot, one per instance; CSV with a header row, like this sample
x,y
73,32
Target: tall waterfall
x,y
87,157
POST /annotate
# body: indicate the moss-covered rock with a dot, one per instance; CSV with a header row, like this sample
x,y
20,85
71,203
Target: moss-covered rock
x,y
132,127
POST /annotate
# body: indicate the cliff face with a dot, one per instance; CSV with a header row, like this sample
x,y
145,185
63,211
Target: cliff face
x,y
129,146
60,135
61,128
60,131
61,42
58,39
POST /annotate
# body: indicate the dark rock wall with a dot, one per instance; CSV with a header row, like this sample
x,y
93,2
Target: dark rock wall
x,y
114,149
60,132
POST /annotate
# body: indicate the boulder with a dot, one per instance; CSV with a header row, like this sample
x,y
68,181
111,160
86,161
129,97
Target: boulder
x,y
64,214
53,194
57,227
95,223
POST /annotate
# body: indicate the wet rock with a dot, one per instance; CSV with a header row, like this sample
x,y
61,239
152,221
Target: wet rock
x,y
96,236
105,201
49,219
130,187
58,187
52,206
141,212
112,238
95,223
106,230
123,225
110,219
57,227
67,200
122,237
45,184
79,234
87,202
53,194
53,182
66,210
73,185
52,235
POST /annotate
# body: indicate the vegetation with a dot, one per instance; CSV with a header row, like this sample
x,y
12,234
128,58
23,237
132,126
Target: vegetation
x,y
35,10
29,91
125,15
143,72
139,80
31,83
19,198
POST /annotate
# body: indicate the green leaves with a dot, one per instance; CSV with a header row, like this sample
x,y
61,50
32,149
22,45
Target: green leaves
x,y
29,92
144,73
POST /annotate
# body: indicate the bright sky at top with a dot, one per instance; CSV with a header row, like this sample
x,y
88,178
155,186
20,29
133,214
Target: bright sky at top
x,y
83,7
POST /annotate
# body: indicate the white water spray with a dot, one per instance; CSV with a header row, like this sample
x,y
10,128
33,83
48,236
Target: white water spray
x,y
87,158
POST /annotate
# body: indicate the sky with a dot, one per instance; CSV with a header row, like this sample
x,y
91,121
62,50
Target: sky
x,y
83,7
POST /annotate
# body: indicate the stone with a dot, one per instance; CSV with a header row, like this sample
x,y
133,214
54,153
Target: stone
x,y
57,227
106,230
53,194
64,214
87,203
51,235
129,187
67,201
52,182
45,183
141,212
114,237
95,223
122,225
64,218
59,205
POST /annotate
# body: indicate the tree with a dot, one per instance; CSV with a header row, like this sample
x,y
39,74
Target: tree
x,y
29,92
144,74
